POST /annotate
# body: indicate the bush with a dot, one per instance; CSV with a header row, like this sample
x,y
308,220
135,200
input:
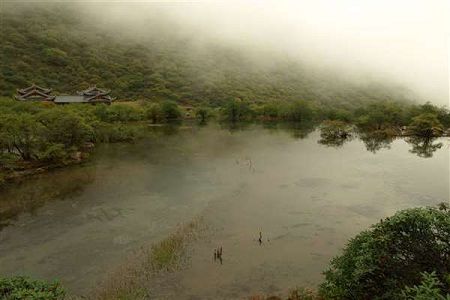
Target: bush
x,y
203,114
153,113
170,111
429,289
270,111
237,110
380,262
20,288
109,133
426,125
118,113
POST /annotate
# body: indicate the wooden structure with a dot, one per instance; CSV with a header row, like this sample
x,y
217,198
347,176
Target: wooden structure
x,y
92,95
96,95
34,93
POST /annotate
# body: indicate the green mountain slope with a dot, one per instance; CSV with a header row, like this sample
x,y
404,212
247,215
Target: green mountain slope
x,y
55,45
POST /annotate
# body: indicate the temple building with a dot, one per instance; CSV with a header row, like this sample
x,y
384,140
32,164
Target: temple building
x,y
92,95
96,95
34,93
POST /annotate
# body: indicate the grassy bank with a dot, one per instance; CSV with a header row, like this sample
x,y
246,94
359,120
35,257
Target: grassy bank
x,y
133,278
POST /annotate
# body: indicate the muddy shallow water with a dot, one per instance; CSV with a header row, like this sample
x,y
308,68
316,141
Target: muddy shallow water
x,y
306,198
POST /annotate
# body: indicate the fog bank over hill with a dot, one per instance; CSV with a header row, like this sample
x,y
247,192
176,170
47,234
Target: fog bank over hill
x,y
400,41
332,52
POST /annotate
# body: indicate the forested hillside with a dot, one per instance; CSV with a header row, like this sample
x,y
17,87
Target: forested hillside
x,y
57,46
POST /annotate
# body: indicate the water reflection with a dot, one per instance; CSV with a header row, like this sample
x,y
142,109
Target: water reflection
x,y
297,130
37,191
335,141
376,141
33,193
335,133
423,147
235,126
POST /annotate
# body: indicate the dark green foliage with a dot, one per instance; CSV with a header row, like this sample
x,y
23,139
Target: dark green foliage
x,y
429,289
170,111
22,288
380,262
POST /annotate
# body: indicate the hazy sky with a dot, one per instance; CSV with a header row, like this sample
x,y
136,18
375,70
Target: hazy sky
x,y
400,40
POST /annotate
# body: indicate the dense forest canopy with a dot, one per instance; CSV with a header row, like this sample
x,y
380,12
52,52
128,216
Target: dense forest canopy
x,y
62,47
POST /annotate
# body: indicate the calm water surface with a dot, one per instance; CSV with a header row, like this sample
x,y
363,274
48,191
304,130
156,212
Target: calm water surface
x,y
307,198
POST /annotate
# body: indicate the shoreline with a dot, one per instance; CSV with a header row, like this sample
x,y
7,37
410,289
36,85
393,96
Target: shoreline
x,y
24,170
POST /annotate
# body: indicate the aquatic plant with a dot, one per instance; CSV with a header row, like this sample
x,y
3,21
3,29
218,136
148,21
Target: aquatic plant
x,y
131,280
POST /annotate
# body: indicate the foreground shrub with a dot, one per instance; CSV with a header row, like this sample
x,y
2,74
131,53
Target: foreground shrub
x,y
16,288
429,289
380,262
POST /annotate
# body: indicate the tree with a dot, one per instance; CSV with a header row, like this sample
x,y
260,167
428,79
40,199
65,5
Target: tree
x,y
379,116
63,126
378,263
426,125
20,135
237,110
170,111
298,111
154,113
202,114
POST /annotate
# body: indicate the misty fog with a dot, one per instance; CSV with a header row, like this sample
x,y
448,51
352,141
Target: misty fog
x,y
401,41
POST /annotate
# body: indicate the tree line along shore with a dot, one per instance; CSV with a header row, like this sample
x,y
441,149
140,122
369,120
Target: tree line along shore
x,y
36,136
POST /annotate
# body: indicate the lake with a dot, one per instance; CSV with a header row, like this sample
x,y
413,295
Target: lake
x,y
307,197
